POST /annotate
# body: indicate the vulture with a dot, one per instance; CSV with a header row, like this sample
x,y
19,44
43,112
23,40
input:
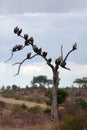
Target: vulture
x,y
35,48
19,32
75,46
44,54
16,29
26,36
49,60
28,55
39,50
31,40
58,61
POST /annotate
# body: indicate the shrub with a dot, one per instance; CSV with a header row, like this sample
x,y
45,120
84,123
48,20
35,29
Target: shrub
x,y
61,95
78,122
31,99
35,109
2,104
17,98
19,107
47,111
38,100
80,102
6,94
34,99
48,102
23,106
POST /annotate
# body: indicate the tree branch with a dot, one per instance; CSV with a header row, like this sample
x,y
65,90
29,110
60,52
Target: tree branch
x,y
20,63
59,60
63,63
10,57
73,49
28,41
18,47
62,52
52,67
15,49
38,51
67,55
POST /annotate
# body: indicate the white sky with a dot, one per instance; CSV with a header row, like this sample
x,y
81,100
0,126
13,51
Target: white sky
x,y
52,23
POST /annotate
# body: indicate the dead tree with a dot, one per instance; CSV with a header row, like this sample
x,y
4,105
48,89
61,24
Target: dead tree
x,y
60,61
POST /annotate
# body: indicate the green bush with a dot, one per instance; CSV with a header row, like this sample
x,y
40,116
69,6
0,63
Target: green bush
x,y
48,102
6,94
34,99
80,102
61,95
17,98
47,111
23,106
31,99
35,109
38,100
78,122
19,107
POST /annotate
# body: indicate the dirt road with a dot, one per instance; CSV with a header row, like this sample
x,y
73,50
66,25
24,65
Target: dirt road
x,y
13,101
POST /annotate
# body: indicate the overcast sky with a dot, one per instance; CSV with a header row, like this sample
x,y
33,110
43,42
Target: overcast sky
x,y
52,23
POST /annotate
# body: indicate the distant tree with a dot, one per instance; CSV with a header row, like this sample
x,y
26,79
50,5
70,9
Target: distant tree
x,y
8,87
15,87
41,80
27,87
3,88
82,82
78,81
59,61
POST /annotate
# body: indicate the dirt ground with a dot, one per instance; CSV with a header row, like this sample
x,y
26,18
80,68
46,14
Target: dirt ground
x,y
28,103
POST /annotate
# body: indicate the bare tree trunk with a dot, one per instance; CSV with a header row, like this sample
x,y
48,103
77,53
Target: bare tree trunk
x,y
54,109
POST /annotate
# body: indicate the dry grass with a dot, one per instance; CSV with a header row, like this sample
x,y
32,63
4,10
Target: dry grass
x,y
20,118
36,127
24,119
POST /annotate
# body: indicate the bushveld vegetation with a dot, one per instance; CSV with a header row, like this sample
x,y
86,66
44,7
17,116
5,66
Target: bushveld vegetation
x,y
72,109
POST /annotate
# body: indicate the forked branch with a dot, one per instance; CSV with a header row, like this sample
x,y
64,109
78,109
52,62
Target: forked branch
x,y
10,57
28,41
63,63
15,49
20,63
